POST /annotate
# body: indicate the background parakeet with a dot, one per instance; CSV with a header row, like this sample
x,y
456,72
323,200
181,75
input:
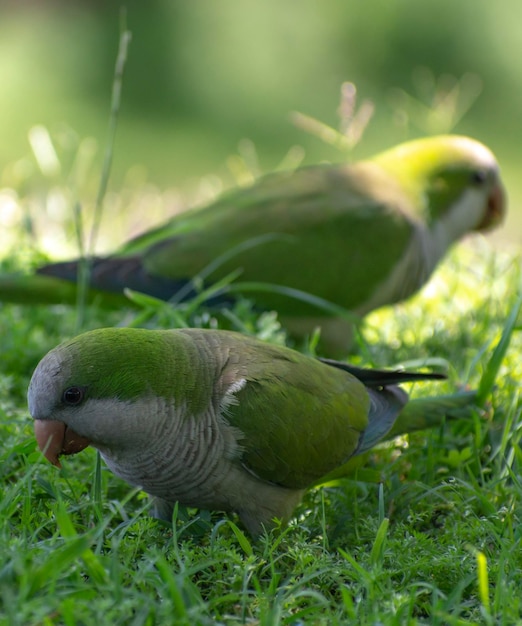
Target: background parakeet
x,y
216,419
360,236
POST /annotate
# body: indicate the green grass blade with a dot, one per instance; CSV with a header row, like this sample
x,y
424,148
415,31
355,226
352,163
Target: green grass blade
x,y
491,371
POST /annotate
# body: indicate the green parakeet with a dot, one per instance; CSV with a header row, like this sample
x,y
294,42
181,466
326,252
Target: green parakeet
x,y
359,236
215,419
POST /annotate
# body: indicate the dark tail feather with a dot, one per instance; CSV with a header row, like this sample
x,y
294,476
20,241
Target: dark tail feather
x,y
116,274
383,378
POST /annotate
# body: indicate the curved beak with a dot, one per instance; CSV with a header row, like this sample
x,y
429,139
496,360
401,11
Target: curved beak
x,y
495,210
55,438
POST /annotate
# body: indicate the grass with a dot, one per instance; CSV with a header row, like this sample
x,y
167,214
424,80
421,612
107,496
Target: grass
x,y
437,541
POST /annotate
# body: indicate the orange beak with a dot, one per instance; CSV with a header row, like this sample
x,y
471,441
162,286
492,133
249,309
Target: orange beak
x,y
496,209
55,438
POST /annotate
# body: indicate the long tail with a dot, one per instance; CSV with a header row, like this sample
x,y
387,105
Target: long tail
x,y
56,283
421,413
40,289
114,274
417,414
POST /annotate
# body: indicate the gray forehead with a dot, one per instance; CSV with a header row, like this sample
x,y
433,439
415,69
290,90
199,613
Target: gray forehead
x,y
46,385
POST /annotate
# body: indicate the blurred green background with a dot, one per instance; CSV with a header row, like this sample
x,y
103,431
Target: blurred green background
x,y
203,75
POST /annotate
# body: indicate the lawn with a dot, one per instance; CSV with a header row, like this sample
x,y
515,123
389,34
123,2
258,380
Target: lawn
x,y
434,538
427,532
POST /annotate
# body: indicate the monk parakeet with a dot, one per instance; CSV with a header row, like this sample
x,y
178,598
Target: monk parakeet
x,y
215,419
359,236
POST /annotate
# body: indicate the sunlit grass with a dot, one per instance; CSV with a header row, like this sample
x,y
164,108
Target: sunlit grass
x,y
437,541
79,547
433,539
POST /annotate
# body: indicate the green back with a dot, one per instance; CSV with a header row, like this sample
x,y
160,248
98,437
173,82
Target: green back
x,y
327,221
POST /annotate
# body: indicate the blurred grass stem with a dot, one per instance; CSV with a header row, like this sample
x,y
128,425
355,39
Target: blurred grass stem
x,y
86,252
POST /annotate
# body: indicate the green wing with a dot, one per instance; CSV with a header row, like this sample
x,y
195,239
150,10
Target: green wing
x,y
299,418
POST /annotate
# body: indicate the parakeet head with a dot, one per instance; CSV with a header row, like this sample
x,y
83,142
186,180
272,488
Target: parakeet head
x,y
104,371
452,179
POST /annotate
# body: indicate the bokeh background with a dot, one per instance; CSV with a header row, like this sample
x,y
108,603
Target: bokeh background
x,y
202,76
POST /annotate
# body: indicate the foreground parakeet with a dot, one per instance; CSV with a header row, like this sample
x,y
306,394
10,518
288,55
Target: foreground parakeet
x,y
216,419
360,235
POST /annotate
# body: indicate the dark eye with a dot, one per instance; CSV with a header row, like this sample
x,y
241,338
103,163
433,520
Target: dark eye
x,y
479,177
73,396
